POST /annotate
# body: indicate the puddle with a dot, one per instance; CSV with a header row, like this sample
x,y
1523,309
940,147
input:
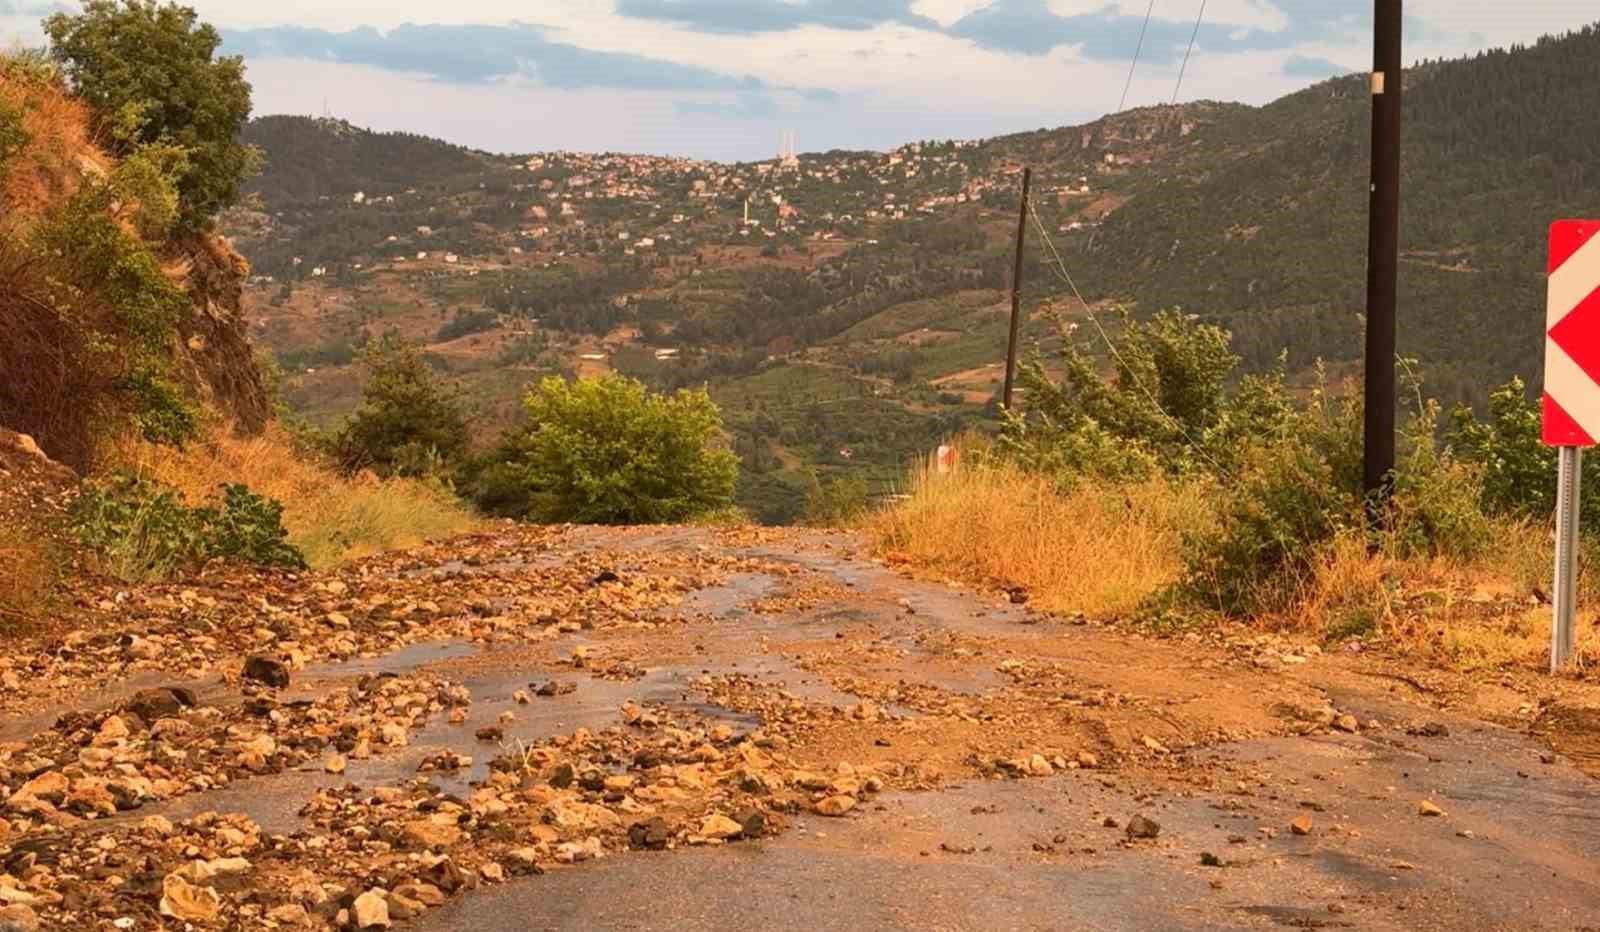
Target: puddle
x,y
403,660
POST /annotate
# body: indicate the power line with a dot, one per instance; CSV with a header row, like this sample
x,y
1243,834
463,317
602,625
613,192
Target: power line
x,y
1061,270
1136,52
1189,50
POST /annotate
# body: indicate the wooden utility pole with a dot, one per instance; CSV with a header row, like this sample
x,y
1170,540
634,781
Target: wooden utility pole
x,y
1016,289
1383,255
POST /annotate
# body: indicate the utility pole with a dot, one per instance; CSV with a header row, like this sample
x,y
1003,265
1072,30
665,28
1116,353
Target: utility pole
x,y
1383,255
1016,289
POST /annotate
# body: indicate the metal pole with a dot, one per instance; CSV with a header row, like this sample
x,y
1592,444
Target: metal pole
x,y
1564,595
1383,255
1016,289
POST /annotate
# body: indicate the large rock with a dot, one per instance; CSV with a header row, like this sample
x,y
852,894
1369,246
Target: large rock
x,y
371,911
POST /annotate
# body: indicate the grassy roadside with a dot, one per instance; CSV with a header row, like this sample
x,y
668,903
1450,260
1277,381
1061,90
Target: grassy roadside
x,y
1117,552
330,517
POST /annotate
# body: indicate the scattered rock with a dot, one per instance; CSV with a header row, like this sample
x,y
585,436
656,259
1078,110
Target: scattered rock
x,y
266,671
1347,723
371,911
835,806
1141,827
1301,825
187,902
651,835
1429,808
720,827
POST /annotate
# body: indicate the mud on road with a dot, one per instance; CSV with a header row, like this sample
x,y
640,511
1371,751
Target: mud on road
x,y
696,729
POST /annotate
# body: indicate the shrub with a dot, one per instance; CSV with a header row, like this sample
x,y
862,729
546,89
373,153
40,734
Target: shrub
x,y
1297,492
466,323
29,568
1519,471
409,423
330,518
143,530
90,320
149,72
1171,402
607,451
835,502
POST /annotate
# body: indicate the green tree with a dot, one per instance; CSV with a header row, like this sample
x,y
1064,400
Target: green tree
x,y
607,451
150,74
409,423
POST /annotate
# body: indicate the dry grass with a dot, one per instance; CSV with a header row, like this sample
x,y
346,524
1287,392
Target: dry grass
x,y
58,150
330,517
28,571
1477,614
1097,550
1104,550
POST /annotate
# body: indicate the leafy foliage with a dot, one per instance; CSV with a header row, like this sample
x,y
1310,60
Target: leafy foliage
x,y
409,422
145,531
1172,402
1519,471
608,451
90,315
835,502
149,71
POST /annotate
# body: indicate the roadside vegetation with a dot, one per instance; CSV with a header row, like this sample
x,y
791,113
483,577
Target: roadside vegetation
x,y
124,357
1166,488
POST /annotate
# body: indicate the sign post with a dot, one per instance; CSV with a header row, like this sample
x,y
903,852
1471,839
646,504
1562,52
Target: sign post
x,y
1571,403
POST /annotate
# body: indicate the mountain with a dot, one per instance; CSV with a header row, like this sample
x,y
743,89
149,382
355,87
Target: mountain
x,y
849,308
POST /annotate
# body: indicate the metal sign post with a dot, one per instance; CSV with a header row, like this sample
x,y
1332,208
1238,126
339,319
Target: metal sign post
x,y
1564,595
1571,403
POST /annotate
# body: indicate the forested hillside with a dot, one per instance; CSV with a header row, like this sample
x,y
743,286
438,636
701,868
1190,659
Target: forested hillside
x,y
1262,226
848,309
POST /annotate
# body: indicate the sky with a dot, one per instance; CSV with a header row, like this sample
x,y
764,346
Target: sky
x,y
724,79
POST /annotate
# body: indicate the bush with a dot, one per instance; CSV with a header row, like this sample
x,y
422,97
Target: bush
x,y
607,451
835,502
90,320
1519,471
466,323
143,530
330,518
1294,494
1172,402
409,422
149,72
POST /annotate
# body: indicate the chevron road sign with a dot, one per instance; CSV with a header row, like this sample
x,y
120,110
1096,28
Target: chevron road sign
x,y
1571,400
1572,341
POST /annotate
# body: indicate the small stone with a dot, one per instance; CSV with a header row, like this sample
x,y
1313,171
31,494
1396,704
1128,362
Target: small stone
x,y
1347,723
1141,827
652,835
1087,760
493,872
18,917
1207,859
835,806
334,763
521,697
430,833
1301,825
720,827
1428,808
371,911
289,914
188,902
491,733
267,671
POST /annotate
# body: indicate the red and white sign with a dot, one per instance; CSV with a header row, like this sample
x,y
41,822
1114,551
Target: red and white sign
x,y
1572,336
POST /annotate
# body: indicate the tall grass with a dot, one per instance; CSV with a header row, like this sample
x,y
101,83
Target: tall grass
x,y
29,568
1105,549
331,518
1097,549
